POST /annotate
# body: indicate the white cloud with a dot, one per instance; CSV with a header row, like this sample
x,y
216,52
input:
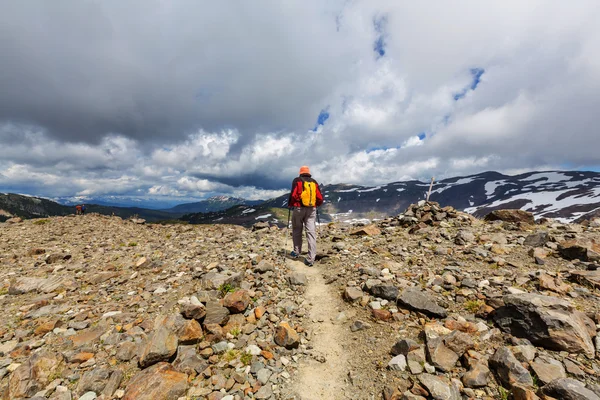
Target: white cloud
x,y
194,99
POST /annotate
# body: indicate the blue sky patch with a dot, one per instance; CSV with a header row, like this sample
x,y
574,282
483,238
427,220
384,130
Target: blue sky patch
x,y
323,116
422,136
476,74
380,24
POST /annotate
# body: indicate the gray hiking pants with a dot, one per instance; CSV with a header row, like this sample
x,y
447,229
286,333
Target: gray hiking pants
x,y
305,217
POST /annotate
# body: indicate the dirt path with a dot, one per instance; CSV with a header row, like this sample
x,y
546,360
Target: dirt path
x,y
318,379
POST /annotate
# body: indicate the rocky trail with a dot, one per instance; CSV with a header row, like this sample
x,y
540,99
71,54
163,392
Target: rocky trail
x,y
430,304
324,376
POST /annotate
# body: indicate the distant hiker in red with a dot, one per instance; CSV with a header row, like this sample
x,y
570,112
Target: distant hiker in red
x,y
304,199
78,210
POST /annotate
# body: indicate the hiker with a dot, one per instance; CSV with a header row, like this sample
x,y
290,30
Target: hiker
x,y
304,199
77,209
83,209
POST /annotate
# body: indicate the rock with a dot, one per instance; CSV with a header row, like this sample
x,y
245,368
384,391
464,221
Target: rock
x,y
573,368
193,311
381,314
264,266
521,392
438,388
161,345
464,237
265,392
159,382
286,336
94,380
33,376
220,348
214,280
391,393
416,361
113,384
417,300
126,351
547,372
88,336
369,230
397,363
297,279
190,332
54,258
591,278
260,226
546,321
188,361
583,250
404,346
514,216
25,285
410,396
353,294
508,369
237,302
548,282
359,326
568,389
524,352
216,313
388,292
538,239
477,376
438,354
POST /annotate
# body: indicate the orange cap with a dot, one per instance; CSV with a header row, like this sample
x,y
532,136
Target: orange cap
x,y
304,170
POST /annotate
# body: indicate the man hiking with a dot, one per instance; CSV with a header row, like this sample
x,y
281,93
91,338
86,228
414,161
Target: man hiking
x,y
304,199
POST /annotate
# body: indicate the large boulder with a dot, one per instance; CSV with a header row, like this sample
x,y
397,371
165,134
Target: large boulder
x,y
417,300
35,374
511,216
548,322
161,345
568,389
508,369
584,250
159,382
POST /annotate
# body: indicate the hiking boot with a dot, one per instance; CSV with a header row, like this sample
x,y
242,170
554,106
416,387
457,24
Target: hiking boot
x,y
308,263
293,254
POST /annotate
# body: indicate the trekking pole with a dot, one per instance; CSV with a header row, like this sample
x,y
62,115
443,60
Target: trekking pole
x,y
318,223
287,232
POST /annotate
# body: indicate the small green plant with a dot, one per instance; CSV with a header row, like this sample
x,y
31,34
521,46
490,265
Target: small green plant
x,y
226,288
536,381
132,244
230,355
473,305
503,393
3,291
246,358
235,331
41,222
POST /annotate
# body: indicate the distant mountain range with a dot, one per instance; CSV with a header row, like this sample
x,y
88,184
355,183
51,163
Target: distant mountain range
x,y
212,204
564,195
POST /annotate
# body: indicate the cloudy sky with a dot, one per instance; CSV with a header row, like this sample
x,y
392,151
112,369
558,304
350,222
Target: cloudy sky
x,y
187,99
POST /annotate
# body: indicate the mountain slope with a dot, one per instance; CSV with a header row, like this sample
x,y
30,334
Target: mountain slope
x,y
34,207
564,195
